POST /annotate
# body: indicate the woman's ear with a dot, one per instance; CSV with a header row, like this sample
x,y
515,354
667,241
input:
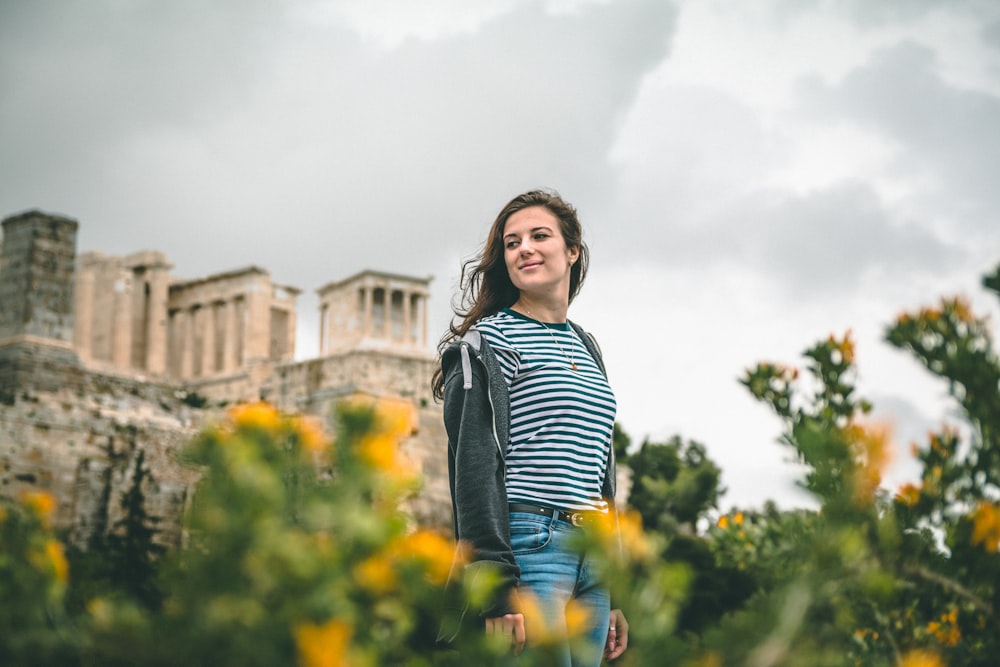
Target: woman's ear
x,y
573,254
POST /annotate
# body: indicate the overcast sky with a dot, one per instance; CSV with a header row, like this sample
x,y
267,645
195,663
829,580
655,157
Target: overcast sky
x,y
752,176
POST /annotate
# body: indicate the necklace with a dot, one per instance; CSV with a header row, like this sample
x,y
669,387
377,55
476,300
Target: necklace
x,y
571,355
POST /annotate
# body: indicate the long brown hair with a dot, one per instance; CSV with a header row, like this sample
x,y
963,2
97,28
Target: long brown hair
x,y
485,286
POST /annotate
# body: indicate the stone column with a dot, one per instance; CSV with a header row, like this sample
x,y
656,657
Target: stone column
x,y
185,318
406,317
228,336
423,319
366,330
121,350
239,330
387,312
156,333
83,330
207,327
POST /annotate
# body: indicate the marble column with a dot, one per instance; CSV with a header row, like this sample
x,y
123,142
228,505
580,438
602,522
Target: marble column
x,y
156,334
121,350
186,327
369,299
228,336
208,340
83,330
406,317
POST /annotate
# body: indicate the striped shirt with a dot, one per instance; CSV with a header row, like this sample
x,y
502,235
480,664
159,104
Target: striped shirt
x,y
561,419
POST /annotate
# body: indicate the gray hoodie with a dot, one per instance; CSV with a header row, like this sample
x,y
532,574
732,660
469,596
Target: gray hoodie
x,y
477,419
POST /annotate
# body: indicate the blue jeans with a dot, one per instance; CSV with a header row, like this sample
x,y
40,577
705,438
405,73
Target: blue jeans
x,y
555,574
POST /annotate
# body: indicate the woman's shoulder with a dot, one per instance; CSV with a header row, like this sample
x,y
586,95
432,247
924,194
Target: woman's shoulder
x,y
495,329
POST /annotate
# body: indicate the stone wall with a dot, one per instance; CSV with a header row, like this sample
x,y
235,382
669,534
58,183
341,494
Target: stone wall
x,y
76,434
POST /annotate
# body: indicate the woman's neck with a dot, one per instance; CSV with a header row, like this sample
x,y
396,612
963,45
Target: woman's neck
x,y
553,311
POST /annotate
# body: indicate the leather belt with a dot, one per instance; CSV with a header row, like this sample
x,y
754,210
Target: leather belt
x,y
574,518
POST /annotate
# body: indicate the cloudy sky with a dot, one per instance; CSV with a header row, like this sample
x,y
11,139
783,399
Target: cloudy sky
x,y
752,176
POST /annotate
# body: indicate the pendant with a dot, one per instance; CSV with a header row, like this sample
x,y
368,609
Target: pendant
x,y
574,367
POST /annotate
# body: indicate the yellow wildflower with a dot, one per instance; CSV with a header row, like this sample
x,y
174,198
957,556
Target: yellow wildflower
x,y
919,658
577,618
948,635
986,526
738,518
633,537
376,574
394,421
324,645
872,452
436,552
845,347
43,504
536,623
908,494
723,522
259,415
930,314
57,559
311,434
961,309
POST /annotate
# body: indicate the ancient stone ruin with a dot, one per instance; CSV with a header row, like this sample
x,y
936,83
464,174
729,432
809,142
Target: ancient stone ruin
x,y
103,358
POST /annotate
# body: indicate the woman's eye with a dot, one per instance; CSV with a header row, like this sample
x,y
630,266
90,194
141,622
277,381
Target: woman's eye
x,y
511,244
541,235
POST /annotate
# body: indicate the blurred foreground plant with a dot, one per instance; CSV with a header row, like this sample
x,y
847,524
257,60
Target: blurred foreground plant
x,y
871,578
34,573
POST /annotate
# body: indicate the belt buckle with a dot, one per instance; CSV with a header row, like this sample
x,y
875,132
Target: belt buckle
x,y
577,519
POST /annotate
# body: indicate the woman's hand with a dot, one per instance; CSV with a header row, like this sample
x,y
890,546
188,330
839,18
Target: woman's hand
x,y
510,626
617,635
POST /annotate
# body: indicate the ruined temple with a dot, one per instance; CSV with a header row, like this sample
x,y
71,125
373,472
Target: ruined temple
x,y
104,359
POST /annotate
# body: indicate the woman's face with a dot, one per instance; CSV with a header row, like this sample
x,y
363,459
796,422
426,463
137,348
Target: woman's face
x,y
538,261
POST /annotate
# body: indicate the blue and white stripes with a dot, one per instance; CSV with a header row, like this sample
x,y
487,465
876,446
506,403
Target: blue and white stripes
x,y
561,419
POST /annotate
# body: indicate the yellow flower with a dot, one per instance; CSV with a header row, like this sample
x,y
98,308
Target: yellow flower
x,y
324,645
845,347
620,534
541,630
872,450
930,314
960,308
57,559
376,574
738,519
259,415
395,420
436,552
919,658
311,434
723,522
986,526
536,623
577,618
41,503
908,494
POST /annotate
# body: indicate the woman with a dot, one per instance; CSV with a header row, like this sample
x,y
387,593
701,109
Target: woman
x,y
529,416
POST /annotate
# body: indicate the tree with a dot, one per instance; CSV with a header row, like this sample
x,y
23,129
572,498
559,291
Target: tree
x,y
132,550
673,485
874,578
